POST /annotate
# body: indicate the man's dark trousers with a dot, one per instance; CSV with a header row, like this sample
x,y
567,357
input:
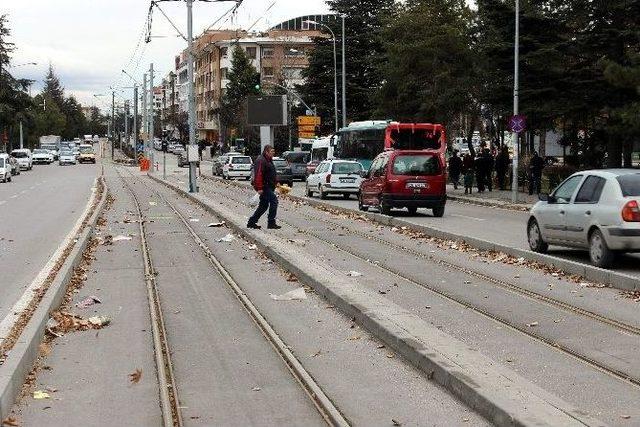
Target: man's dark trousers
x,y
268,200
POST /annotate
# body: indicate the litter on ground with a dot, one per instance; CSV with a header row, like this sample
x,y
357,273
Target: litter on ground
x,y
228,238
88,301
296,294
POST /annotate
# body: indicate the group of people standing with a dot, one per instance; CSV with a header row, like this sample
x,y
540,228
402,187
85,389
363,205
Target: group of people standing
x,y
481,168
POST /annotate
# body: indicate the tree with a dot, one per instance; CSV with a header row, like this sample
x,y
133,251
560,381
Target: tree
x,y
53,88
363,25
428,70
243,81
76,122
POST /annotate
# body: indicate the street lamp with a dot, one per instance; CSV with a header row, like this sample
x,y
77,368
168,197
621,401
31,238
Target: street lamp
x,y
516,83
335,68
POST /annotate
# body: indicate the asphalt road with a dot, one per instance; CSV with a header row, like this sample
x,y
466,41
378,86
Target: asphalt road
x,y
38,209
507,227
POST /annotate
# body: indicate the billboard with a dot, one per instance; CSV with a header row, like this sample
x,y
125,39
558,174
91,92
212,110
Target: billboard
x,y
267,110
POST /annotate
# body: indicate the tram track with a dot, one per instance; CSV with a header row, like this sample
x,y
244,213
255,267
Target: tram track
x,y
325,407
510,287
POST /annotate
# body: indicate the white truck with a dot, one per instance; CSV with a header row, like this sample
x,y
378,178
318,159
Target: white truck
x,y
50,140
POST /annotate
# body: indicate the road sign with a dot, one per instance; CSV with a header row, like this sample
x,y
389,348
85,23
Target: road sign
x,y
306,134
140,148
306,128
308,121
517,123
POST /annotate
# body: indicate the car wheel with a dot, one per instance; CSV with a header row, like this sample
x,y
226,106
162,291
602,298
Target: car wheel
x,y
323,195
600,254
346,196
412,210
290,184
438,212
9,178
309,192
361,206
384,208
535,238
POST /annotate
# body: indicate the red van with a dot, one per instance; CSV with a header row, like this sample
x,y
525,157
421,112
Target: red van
x,y
409,179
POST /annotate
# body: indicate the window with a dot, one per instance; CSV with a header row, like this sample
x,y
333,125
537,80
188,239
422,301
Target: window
x,y
241,160
267,71
375,166
251,52
630,184
564,192
267,52
223,51
346,168
223,73
418,165
591,190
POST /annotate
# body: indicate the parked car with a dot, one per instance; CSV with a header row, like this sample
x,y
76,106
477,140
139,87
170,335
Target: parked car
x,y
24,158
183,161
66,157
405,179
220,161
40,155
86,154
598,210
52,148
335,177
298,162
283,171
237,167
5,168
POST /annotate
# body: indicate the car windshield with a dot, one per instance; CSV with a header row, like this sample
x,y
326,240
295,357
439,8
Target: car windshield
x,y
346,168
298,157
419,165
630,184
280,163
19,154
86,150
1,162
66,153
40,151
241,160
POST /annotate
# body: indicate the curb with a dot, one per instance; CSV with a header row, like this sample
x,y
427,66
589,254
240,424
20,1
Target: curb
x,y
518,207
24,353
610,278
498,393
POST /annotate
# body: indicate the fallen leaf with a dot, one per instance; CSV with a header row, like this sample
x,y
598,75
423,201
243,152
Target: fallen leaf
x,y
626,417
256,389
354,338
381,346
10,422
395,422
354,274
39,394
216,224
390,355
136,376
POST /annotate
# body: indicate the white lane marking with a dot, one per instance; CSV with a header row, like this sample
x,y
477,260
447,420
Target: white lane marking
x,y
14,196
468,217
9,321
2,202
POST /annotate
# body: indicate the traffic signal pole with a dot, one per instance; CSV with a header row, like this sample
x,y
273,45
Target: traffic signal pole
x,y
193,185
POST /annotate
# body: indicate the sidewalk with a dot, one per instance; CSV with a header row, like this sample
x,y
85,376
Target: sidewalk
x,y
498,198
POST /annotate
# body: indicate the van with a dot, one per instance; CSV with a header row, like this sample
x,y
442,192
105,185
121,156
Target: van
x,y
408,179
24,158
297,160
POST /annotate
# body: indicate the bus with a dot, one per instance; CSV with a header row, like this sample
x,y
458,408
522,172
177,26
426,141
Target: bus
x,y
323,148
363,141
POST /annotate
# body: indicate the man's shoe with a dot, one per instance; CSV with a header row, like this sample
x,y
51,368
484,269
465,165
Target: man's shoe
x,y
254,226
274,227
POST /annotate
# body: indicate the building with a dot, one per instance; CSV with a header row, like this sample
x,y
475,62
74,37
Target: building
x,y
279,55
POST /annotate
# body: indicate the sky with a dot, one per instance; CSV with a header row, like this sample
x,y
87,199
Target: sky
x,y
89,42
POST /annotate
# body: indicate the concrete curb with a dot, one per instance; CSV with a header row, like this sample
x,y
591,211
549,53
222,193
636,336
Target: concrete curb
x,y
22,356
499,394
519,207
614,279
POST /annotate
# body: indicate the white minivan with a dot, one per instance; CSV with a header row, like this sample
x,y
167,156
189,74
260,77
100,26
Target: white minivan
x,y
5,168
24,158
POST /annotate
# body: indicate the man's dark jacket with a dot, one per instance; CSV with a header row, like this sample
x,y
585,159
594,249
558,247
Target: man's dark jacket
x,y
265,174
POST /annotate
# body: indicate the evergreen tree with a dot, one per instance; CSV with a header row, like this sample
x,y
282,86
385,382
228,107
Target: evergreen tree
x,y
363,25
53,88
243,81
76,122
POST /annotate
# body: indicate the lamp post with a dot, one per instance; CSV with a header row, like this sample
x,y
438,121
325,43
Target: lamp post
x,y
335,68
21,131
516,83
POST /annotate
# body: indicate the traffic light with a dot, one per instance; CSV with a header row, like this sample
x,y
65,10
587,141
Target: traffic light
x,y
256,82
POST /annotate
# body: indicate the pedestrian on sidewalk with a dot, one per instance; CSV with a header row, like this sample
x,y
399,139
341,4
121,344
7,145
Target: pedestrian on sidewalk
x,y
455,168
201,145
468,168
481,170
502,166
264,182
489,164
536,166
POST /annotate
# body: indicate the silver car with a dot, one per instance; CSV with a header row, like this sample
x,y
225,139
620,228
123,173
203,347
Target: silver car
x,y
597,210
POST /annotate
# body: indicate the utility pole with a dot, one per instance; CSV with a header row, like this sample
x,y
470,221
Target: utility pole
x,y
126,123
135,115
344,78
193,185
516,83
113,123
151,114
21,136
145,118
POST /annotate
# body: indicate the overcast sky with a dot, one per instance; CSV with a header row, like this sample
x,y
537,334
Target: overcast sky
x,y
89,42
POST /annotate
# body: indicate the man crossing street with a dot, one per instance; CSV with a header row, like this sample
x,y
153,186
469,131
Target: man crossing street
x,y
264,182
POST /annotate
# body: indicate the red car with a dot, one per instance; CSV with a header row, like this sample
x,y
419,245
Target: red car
x,y
409,179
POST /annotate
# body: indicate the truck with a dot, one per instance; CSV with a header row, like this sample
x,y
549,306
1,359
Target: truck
x,y
50,140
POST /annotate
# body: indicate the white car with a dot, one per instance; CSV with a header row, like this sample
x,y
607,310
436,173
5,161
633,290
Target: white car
x,y
178,149
237,167
335,177
40,155
5,168
24,158
66,158
597,210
